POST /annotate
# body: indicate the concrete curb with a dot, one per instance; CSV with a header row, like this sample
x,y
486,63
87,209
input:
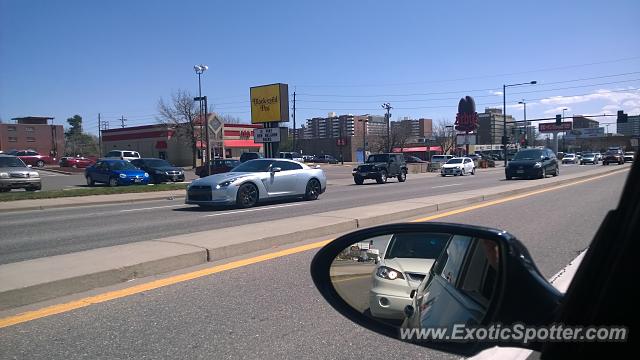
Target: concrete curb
x,y
41,279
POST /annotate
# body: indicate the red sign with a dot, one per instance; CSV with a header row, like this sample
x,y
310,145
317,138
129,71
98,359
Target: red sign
x,y
467,117
552,127
341,142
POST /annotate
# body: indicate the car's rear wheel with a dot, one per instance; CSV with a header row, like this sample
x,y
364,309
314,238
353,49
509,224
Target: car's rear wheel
x,y
605,163
247,196
544,173
473,170
313,190
113,182
557,172
402,177
90,181
509,177
359,180
40,163
5,189
382,178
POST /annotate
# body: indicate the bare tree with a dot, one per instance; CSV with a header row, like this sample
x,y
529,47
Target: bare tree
x,y
400,135
443,133
229,119
181,114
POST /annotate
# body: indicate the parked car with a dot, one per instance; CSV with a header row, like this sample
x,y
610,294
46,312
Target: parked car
x,y
407,260
325,159
76,162
218,166
440,159
291,156
123,154
413,160
15,174
258,180
246,156
491,162
33,158
458,166
532,163
570,159
629,156
115,172
613,156
589,158
159,170
380,167
307,158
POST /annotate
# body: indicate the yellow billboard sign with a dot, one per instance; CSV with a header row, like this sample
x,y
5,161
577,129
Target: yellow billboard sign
x,y
269,103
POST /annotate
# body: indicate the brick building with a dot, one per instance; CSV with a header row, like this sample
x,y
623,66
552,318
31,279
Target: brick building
x,y
35,133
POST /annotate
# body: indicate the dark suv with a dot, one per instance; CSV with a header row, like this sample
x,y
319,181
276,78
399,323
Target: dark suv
x,y
250,156
613,156
532,163
381,167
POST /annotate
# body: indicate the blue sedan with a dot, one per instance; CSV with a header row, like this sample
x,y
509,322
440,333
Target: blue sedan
x,y
115,172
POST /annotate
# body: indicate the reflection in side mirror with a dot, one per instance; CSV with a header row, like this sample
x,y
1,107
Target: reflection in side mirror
x,y
395,278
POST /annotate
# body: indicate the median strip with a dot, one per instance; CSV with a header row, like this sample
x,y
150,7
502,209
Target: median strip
x,y
37,280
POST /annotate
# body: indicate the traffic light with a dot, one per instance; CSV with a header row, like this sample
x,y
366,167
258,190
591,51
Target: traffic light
x,y
558,119
622,117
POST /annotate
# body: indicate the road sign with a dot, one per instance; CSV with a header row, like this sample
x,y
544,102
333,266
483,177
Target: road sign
x,y
266,135
553,127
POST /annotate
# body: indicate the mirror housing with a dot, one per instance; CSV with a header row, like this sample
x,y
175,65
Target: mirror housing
x,y
29,166
275,169
521,295
545,158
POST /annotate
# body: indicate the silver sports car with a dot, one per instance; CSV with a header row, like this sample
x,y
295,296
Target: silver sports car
x,y
258,180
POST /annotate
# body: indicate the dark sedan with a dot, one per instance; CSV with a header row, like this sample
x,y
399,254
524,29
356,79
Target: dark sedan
x,y
218,166
532,163
159,170
613,157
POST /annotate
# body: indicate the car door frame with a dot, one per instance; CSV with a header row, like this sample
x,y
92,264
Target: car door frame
x,y
282,183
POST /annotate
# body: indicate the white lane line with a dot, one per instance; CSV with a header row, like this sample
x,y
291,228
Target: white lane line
x,y
441,186
256,209
151,208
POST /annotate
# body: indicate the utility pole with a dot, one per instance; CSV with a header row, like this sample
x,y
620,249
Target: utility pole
x,y
388,107
104,125
122,121
99,137
294,121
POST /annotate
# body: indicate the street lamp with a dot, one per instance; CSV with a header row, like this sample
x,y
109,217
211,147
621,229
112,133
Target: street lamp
x,y
564,135
388,107
199,69
526,124
504,115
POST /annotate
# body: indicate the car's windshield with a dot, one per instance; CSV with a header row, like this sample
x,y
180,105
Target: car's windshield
x,y
122,165
528,155
10,161
588,155
455,161
157,163
254,166
416,245
378,158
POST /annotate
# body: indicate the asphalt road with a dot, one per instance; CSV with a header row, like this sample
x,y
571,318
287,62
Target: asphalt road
x,y
33,234
271,310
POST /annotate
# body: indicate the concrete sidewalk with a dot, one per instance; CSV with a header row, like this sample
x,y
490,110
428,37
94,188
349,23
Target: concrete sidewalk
x,y
37,280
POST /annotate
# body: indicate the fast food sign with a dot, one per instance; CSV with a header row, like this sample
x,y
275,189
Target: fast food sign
x,y
467,117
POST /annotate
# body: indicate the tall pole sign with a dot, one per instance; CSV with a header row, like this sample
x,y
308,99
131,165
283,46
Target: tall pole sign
x,y
467,118
269,107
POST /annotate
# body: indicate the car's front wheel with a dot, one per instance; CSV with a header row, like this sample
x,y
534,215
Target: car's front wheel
x,y
557,172
359,180
402,177
382,178
113,182
90,181
40,163
247,195
313,190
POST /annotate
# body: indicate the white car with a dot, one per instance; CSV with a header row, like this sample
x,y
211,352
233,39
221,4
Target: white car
x,y
123,154
406,262
570,158
458,166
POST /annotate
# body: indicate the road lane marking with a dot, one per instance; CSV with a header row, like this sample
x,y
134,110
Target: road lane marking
x,y
172,280
442,186
256,209
151,208
350,278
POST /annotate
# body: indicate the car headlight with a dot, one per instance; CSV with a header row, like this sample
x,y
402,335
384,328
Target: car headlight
x,y
34,174
537,165
389,273
146,174
4,175
225,183
123,176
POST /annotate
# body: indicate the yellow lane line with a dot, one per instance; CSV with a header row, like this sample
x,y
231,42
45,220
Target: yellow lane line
x,y
136,289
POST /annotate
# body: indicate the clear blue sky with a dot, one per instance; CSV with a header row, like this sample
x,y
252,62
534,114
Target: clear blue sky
x,y
62,58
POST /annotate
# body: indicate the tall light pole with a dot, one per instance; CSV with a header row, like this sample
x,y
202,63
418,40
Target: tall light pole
x,y
526,124
388,107
564,134
504,115
364,137
199,69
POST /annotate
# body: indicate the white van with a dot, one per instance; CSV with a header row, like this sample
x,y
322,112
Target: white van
x,y
123,154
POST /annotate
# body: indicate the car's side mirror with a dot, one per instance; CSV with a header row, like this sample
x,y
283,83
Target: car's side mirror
x,y
276,169
29,166
434,283
546,158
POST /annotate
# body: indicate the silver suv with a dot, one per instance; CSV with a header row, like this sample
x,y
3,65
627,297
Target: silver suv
x,y
123,154
14,174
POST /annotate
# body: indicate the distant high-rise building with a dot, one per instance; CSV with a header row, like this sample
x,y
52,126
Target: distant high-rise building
x,y
332,126
631,127
581,122
491,124
417,129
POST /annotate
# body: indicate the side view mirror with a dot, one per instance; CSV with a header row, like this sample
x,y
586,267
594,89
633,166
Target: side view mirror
x,y
431,284
29,166
546,158
276,169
